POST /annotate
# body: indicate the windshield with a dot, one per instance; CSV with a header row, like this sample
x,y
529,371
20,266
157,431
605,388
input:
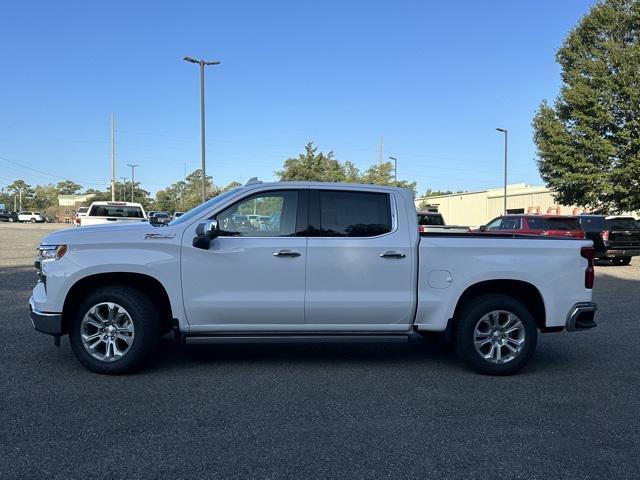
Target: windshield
x,y
196,211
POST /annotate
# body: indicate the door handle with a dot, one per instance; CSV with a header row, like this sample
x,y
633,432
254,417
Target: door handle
x,y
286,253
391,254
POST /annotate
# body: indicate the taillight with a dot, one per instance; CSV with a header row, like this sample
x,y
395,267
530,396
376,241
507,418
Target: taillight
x,y
78,220
589,253
605,235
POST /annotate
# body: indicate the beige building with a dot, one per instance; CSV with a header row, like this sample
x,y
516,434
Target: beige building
x,y
477,208
68,204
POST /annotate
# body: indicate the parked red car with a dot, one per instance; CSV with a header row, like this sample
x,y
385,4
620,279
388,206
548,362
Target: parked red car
x,y
551,225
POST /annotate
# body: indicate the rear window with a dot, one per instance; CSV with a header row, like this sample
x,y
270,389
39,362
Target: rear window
x,y
116,211
430,219
592,224
562,224
354,214
83,209
622,224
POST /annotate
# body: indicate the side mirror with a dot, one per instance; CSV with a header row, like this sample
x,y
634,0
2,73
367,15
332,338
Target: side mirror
x,y
205,232
483,228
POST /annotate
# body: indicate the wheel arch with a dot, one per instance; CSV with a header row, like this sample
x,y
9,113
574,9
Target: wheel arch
x,y
525,292
147,284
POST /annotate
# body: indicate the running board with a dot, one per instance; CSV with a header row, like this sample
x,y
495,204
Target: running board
x,y
295,338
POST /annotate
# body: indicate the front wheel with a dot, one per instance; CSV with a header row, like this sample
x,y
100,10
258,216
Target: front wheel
x,y
621,260
496,335
114,330
33,220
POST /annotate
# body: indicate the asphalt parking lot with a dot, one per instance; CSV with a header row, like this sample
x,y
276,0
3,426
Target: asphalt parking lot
x,y
319,411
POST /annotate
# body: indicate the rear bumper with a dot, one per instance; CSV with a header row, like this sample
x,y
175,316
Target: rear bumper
x,y
620,252
581,317
50,323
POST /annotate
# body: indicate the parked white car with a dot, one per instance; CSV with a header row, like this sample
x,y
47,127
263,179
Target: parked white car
x,y
32,217
113,212
81,212
331,262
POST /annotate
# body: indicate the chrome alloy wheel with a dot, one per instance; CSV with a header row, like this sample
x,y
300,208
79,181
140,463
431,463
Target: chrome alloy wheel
x,y
107,331
499,336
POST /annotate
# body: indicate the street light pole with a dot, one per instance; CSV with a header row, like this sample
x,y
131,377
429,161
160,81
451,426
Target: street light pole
x,y
506,134
132,177
395,168
124,183
202,64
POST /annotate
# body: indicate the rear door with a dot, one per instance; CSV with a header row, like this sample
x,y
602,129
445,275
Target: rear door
x,y
359,262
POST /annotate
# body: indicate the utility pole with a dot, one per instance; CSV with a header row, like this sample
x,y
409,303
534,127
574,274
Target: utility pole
x,y
506,133
113,158
20,190
132,177
122,190
202,64
395,168
184,178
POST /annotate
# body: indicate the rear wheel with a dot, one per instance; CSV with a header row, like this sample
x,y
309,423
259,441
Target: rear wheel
x,y
114,330
621,260
496,335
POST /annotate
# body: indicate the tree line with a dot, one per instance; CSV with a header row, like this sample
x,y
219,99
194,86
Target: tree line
x,y
311,165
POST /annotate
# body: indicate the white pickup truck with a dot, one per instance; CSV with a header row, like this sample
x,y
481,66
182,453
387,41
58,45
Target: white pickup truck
x,y
113,212
325,262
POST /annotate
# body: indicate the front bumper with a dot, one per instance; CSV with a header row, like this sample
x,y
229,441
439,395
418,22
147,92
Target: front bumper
x,y
50,323
581,317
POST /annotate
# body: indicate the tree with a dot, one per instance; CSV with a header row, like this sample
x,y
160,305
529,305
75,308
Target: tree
x,y
312,165
383,174
320,167
186,194
588,141
68,187
22,193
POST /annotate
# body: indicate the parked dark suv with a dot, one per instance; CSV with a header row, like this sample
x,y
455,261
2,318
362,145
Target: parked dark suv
x,y
7,216
614,238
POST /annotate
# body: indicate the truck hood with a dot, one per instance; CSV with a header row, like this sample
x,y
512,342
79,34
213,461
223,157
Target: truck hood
x,y
122,232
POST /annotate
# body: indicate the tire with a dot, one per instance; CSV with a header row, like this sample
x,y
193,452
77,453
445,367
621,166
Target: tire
x,y
621,260
33,220
10,220
134,344
478,319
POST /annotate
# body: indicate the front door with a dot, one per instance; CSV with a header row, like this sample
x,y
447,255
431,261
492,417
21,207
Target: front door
x,y
252,276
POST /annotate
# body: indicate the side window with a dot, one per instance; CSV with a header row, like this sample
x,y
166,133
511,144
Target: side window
x,y
535,223
510,223
268,214
353,214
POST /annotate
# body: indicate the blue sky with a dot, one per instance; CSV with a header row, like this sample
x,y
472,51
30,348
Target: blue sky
x,y
433,79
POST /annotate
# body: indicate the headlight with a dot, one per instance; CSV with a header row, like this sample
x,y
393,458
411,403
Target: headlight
x,y
51,252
